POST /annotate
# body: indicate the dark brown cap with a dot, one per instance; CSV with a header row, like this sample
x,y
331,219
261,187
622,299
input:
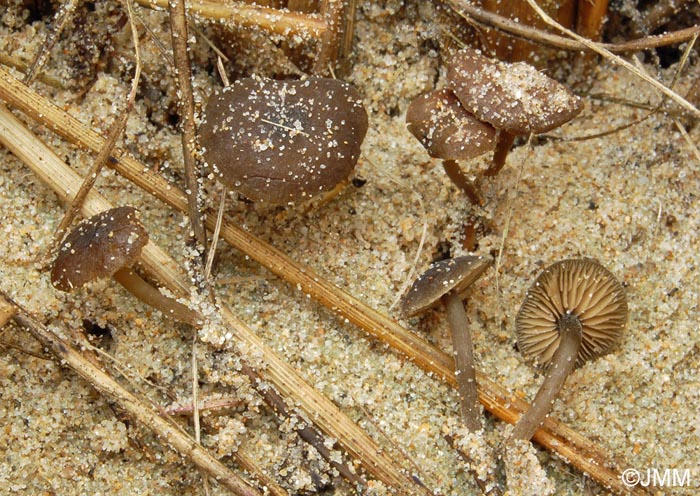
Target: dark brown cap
x,y
579,287
445,129
513,97
454,274
283,141
98,247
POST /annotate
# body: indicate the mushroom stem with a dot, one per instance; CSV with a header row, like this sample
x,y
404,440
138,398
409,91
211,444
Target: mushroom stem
x,y
562,364
464,360
503,145
460,179
142,290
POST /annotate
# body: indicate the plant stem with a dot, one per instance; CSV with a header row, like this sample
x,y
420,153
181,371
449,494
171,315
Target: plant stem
x,y
562,364
464,360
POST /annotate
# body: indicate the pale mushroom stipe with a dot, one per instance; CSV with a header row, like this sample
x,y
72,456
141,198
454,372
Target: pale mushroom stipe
x,y
283,141
107,245
446,282
575,311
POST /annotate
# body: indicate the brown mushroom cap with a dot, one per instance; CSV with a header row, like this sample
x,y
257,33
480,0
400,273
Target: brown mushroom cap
x,y
281,141
513,97
454,274
579,287
445,129
98,247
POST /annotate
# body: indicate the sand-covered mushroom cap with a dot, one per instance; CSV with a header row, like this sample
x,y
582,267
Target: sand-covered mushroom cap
x,y
283,141
514,97
445,129
579,287
454,274
98,247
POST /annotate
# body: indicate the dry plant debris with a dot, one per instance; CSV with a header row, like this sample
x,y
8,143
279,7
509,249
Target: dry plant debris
x,y
619,191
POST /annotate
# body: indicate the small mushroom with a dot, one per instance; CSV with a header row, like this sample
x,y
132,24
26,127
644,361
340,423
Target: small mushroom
x,y
108,244
516,99
283,141
575,311
446,281
448,132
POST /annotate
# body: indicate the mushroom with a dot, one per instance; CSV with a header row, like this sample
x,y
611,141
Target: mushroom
x,y
515,98
108,244
446,281
448,132
575,311
283,141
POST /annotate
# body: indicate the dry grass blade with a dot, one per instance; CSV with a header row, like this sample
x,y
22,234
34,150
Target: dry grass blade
x,y
183,72
145,413
23,67
596,47
489,19
273,20
332,12
316,407
62,17
7,311
572,446
115,133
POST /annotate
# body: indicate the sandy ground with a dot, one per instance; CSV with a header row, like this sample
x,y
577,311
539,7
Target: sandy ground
x,y
629,199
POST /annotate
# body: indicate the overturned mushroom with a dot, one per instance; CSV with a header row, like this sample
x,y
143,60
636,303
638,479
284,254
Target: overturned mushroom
x,y
446,281
575,311
108,244
448,132
283,141
516,99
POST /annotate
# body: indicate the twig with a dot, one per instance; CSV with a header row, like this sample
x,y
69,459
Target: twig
x,y
219,403
332,13
23,67
14,346
489,19
145,412
7,311
185,103
689,141
554,435
115,132
215,235
288,382
305,430
273,20
178,29
61,18
596,47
